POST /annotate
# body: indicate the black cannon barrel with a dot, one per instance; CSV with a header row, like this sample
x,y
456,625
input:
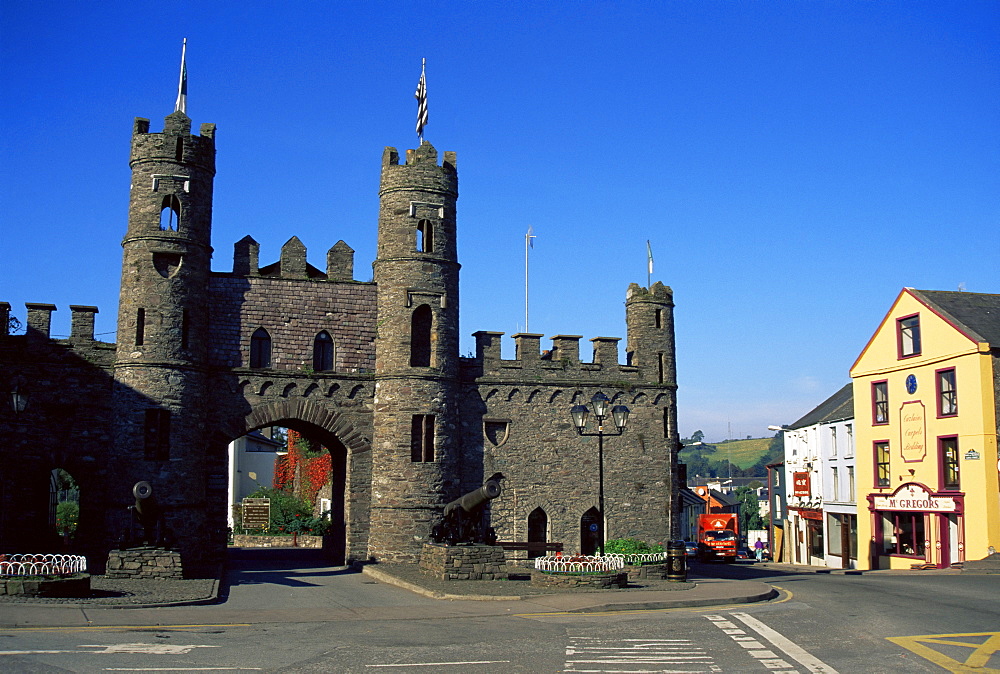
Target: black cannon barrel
x,y
489,491
145,504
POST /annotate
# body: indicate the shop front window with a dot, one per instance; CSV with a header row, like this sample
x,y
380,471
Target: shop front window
x,y
903,534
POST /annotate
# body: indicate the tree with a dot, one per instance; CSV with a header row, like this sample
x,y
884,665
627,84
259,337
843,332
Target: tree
x,y
697,436
749,508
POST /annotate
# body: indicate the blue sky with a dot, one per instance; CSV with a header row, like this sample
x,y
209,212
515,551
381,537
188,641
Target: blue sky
x,y
794,164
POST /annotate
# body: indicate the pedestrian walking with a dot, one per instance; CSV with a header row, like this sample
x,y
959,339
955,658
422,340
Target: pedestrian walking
x,y
758,549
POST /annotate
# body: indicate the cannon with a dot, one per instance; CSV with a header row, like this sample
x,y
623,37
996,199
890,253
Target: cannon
x,y
463,520
147,511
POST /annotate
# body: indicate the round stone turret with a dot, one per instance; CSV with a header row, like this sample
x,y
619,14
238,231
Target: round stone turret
x,y
416,419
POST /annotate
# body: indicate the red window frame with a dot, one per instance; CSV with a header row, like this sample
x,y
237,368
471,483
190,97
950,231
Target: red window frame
x,y
946,466
877,404
877,455
914,336
939,378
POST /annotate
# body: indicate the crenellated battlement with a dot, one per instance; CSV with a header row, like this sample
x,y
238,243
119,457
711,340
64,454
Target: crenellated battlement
x,y
174,144
559,363
38,324
292,263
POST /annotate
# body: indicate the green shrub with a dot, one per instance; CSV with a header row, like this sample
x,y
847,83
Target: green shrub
x,y
289,515
630,546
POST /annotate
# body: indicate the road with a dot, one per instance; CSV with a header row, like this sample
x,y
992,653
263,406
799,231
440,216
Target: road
x,y
821,623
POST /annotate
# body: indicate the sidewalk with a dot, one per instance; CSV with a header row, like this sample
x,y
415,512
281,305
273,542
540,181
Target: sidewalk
x,y
276,586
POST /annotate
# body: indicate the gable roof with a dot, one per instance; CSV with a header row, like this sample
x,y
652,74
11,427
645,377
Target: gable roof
x,y
975,314
837,407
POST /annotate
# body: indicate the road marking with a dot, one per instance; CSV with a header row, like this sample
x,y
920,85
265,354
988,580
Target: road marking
x,y
180,669
443,664
121,628
593,654
790,648
984,645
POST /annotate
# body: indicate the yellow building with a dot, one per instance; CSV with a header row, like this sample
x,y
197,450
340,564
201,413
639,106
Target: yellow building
x,y
926,395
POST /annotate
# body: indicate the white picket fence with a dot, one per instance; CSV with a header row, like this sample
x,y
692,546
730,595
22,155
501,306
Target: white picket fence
x,y
580,564
41,565
639,559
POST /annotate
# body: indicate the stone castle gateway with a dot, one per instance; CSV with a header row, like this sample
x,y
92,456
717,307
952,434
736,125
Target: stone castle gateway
x,y
370,369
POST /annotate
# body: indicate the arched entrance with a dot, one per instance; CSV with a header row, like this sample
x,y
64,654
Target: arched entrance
x,y
591,533
321,473
538,530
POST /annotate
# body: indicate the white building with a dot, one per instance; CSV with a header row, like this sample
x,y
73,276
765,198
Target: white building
x,y
819,478
251,466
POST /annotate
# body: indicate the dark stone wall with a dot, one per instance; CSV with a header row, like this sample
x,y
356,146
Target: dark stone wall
x,y
87,399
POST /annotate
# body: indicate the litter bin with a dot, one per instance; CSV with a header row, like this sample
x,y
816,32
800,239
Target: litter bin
x,y
676,562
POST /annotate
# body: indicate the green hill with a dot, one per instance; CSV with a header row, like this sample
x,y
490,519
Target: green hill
x,y
743,454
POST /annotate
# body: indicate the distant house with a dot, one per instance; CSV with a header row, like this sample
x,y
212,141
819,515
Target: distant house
x,y
928,407
692,505
251,465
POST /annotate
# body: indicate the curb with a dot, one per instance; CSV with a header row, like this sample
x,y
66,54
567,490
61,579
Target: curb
x,y
618,606
398,582
680,603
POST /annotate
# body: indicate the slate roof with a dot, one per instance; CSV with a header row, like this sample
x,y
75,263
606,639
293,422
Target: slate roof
x,y
977,314
837,407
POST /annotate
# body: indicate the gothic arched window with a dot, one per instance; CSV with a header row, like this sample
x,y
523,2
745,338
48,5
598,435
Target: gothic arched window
x,y
420,337
323,352
170,213
260,348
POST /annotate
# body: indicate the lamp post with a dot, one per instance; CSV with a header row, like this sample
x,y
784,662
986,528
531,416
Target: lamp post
x,y
619,414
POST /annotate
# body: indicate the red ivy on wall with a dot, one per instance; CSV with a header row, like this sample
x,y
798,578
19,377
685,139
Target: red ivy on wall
x,y
302,475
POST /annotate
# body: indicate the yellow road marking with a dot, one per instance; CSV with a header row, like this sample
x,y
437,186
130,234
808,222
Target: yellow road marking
x,y
91,628
984,646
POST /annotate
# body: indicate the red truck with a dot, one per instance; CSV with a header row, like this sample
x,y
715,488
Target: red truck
x,y
717,535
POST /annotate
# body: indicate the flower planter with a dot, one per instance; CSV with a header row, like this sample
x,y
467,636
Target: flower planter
x,y
614,580
296,541
75,585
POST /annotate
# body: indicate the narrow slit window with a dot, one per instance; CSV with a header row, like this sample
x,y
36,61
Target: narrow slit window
x,y
658,318
425,236
185,329
179,150
170,213
420,337
156,441
140,327
422,438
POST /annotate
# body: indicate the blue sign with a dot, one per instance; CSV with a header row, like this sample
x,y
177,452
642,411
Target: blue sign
x,y
911,384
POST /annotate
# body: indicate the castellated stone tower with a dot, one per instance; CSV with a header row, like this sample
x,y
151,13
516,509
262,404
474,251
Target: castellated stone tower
x,y
649,315
415,445
163,318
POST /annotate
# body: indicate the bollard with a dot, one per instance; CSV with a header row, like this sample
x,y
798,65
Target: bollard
x,y
676,562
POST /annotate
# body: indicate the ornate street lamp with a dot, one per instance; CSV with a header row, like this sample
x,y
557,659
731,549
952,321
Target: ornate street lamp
x,y
619,415
18,401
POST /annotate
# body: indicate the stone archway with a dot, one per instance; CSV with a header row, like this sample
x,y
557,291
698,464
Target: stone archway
x,y
350,465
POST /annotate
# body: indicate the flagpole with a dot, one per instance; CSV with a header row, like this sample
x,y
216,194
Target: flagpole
x,y
181,104
649,265
527,238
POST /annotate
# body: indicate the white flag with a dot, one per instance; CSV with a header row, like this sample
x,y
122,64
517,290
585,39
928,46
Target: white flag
x,y
649,254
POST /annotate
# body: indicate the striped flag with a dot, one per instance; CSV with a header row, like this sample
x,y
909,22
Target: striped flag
x,y
421,96
649,254
182,86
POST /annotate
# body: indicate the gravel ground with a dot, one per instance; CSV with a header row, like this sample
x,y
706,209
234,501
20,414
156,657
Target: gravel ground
x,y
120,592
520,585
